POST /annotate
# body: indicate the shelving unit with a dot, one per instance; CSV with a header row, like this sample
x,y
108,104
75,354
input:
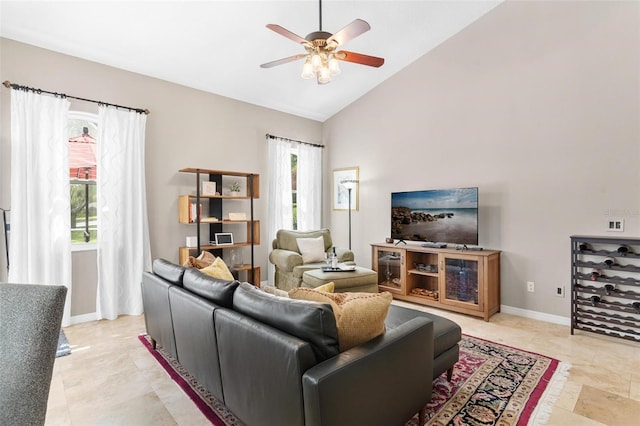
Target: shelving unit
x,y
211,213
460,281
605,286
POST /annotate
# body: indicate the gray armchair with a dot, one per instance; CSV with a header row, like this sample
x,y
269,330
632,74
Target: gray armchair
x,y
30,317
288,261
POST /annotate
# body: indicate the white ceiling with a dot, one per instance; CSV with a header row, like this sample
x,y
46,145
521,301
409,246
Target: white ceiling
x,y
217,46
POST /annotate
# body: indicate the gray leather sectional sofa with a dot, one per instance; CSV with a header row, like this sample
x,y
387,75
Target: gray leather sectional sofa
x,y
275,361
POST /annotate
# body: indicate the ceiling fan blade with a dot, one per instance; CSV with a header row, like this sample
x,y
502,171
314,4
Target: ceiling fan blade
x,y
349,32
283,60
288,34
359,58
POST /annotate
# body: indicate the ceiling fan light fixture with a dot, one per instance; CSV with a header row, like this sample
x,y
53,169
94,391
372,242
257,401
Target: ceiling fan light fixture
x,y
307,69
334,65
321,57
324,75
316,61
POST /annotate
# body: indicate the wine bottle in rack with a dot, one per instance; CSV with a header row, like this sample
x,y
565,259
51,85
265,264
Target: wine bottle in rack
x,y
595,300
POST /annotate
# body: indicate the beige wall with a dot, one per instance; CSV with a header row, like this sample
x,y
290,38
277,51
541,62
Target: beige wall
x,y
537,104
186,128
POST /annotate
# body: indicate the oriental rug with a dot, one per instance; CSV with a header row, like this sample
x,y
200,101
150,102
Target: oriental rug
x,y
492,384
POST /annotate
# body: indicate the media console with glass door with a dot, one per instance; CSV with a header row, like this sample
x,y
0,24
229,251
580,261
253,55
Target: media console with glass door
x,y
205,206
457,280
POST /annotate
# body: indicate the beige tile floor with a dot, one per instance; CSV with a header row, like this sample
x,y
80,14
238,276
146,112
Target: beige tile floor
x,y
111,379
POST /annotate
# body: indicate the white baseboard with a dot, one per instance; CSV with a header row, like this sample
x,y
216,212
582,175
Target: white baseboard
x,y
556,319
77,319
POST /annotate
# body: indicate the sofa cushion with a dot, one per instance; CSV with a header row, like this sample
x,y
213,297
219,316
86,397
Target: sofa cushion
x,y
311,249
218,269
309,321
359,316
446,333
217,290
168,271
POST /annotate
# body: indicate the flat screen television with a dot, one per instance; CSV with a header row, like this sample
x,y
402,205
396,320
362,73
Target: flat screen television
x,y
438,215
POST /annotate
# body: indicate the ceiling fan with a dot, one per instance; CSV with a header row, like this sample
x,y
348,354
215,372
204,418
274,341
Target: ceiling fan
x,y
321,59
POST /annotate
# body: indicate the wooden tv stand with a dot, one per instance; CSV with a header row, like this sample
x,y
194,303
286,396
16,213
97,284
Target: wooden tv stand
x,y
465,281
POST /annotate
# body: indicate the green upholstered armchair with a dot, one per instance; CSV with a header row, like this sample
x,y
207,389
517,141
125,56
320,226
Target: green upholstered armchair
x,y
288,261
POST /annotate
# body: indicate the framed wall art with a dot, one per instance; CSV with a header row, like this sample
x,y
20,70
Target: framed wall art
x,y
342,180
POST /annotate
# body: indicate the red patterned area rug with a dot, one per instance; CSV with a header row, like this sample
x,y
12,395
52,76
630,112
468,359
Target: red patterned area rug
x,y
492,384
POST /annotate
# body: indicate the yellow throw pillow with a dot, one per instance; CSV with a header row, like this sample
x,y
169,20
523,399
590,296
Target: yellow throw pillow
x,y
328,287
218,269
359,316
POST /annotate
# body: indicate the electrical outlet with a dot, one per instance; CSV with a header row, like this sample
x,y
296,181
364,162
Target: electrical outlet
x,y
531,286
560,291
615,225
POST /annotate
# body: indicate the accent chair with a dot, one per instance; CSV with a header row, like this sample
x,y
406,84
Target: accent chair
x,y
288,259
30,318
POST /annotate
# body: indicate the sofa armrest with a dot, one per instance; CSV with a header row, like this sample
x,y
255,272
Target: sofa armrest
x,y
344,255
285,259
382,382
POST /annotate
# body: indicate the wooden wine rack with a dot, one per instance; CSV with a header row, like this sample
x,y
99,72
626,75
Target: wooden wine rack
x,y
605,281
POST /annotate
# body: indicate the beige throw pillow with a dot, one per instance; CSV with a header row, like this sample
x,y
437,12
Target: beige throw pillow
x,y
311,249
205,259
218,269
274,290
359,316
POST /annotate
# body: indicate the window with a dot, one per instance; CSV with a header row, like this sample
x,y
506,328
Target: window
x,y
82,176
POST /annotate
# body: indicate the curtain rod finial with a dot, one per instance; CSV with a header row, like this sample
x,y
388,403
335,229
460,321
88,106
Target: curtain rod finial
x,y
6,84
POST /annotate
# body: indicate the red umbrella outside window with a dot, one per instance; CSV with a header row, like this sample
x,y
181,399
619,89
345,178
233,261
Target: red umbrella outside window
x,y
82,156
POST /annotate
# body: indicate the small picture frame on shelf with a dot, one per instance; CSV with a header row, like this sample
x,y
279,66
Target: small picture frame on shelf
x,y
224,238
208,188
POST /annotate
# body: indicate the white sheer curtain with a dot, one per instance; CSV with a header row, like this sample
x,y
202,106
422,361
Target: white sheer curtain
x,y
280,195
123,231
40,249
309,187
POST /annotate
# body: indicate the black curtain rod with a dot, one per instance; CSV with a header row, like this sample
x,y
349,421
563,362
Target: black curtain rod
x,y
8,85
293,140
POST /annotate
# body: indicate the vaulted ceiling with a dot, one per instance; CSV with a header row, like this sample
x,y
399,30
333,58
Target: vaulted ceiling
x,y
217,46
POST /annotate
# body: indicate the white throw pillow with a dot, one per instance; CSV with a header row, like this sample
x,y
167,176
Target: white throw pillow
x,y
311,249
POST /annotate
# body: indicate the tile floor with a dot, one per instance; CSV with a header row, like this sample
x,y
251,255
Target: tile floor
x,y
111,379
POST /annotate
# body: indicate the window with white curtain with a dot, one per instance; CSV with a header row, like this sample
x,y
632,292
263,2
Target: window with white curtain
x,y
295,187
